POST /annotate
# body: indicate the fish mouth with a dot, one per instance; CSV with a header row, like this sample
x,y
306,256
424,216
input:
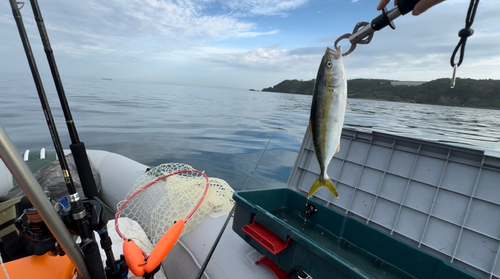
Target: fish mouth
x,y
336,53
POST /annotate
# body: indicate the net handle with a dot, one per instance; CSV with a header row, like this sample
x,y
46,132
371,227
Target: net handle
x,y
153,182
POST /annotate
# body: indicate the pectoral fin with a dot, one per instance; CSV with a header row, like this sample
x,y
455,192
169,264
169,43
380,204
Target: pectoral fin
x,y
320,182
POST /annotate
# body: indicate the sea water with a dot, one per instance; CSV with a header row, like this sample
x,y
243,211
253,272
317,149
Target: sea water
x,y
219,130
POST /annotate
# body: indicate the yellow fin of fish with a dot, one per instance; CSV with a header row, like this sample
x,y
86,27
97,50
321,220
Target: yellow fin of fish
x,y
321,182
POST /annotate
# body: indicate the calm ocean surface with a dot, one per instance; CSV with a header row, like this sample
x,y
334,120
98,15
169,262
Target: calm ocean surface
x,y
219,130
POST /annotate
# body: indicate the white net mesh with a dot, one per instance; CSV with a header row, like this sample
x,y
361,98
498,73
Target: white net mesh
x,y
158,206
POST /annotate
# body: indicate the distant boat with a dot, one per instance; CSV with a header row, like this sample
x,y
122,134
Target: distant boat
x,y
106,79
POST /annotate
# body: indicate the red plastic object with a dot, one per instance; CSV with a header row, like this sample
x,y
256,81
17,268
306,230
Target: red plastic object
x,y
266,238
280,273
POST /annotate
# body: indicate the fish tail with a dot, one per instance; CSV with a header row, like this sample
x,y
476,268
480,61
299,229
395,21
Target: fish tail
x,y
323,182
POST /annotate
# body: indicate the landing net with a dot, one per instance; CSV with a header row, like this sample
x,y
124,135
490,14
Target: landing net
x,y
170,193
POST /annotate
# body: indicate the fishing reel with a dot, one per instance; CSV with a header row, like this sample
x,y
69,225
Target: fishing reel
x,y
31,225
33,228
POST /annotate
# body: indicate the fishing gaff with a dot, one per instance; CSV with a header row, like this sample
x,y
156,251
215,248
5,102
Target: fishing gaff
x,y
88,243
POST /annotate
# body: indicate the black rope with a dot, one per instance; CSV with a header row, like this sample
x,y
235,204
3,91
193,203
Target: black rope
x,y
465,33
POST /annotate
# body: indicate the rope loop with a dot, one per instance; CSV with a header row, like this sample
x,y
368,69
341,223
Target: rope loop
x,y
464,34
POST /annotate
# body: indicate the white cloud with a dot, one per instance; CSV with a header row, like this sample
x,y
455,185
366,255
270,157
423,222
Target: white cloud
x,y
117,37
149,24
256,34
264,7
270,59
420,48
162,39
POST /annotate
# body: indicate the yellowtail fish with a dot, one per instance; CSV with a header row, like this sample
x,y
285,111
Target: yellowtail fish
x,y
327,115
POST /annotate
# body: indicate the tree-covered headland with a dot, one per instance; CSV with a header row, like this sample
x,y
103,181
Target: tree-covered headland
x,y
483,93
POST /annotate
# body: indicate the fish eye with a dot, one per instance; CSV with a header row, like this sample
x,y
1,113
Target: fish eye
x,y
329,64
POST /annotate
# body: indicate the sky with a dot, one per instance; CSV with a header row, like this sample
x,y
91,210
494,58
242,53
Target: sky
x,y
246,43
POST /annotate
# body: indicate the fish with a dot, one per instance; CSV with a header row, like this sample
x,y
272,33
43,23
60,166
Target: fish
x,y
327,115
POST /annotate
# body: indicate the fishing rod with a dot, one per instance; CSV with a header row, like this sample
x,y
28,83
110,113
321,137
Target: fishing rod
x,y
77,148
219,236
88,243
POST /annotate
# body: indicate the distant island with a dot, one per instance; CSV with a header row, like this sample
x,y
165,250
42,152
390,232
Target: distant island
x,y
484,93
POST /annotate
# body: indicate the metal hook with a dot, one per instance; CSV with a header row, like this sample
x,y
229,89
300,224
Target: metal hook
x,y
357,38
362,40
20,3
454,76
345,36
